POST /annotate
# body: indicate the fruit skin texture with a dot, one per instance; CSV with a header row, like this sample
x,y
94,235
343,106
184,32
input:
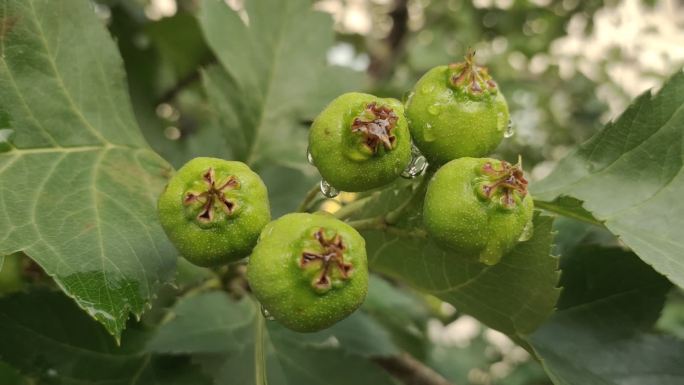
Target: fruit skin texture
x,y
226,237
449,122
459,215
287,288
339,153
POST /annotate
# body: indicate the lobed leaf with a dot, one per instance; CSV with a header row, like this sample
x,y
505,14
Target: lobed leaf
x,y
602,332
630,176
79,183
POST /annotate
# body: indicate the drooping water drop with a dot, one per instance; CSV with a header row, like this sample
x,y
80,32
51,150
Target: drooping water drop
x,y
433,109
416,166
427,88
428,133
510,131
309,157
328,190
267,315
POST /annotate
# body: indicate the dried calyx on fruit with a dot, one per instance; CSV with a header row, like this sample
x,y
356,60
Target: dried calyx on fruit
x,y
374,126
210,199
503,183
324,260
470,78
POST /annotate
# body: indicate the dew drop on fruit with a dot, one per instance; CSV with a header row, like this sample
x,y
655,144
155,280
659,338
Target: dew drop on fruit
x,y
417,164
427,88
309,157
433,109
527,232
428,133
510,131
266,314
328,190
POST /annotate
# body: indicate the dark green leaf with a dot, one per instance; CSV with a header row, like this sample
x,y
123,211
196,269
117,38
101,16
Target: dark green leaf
x,y
601,333
47,337
212,323
629,176
82,182
514,296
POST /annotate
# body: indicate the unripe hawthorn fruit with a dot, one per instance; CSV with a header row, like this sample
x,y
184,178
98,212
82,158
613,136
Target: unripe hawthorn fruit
x,y
456,111
213,210
360,142
478,208
309,271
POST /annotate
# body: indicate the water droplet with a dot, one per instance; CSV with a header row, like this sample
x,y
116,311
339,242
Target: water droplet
x,y
428,133
416,166
527,232
434,109
309,157
267,315
510,131
328,190
427,88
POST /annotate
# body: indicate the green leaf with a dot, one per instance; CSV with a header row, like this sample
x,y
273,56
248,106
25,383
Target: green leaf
x,y
47,337
601,333
515,296
629,176
80,184
271,78
10,376
213,323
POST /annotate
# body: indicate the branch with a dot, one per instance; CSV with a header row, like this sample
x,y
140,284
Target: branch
x,y
184,82
411,371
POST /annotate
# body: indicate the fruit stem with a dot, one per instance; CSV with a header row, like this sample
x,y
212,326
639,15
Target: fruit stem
x,y
259,350
309,198
394,216
351,208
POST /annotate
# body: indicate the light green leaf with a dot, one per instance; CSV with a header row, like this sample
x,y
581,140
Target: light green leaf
x,y
79,184
47,337
214,323
630,177
601,335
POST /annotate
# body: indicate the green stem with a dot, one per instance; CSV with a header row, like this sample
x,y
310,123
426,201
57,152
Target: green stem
x,y
418,194
310,196
260,351
376,223
566,213
351,208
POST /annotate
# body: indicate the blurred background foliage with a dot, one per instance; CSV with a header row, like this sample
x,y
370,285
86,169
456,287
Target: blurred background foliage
x,y
566,67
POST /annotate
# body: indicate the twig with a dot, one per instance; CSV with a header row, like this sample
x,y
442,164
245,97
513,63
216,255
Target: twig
x,y
310,196
189,79
351,208
411,371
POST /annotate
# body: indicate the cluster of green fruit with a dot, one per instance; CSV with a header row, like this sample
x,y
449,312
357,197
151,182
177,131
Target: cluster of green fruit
x,y
310,270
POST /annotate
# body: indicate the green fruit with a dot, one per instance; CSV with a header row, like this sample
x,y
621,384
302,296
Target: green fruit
x,y
360,142
456,111
309,271
213,210
478,208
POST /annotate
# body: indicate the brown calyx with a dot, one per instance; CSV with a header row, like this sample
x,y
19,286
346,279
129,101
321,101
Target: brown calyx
x,y
212,195
505,182
471,78
328,260
376,124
